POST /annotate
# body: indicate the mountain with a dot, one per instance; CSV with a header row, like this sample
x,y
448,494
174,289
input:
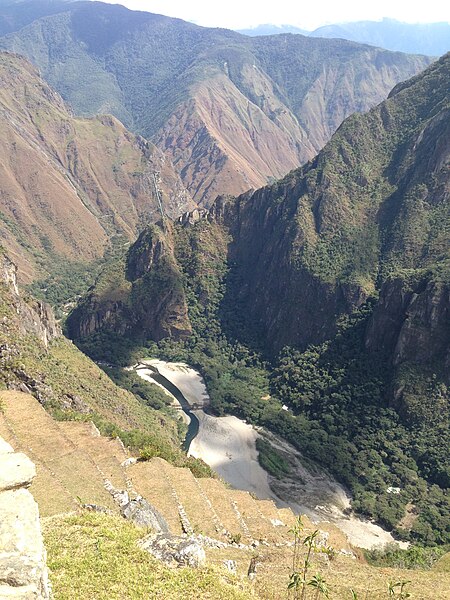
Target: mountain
x,y
371,206
269,29
15,14
340,275
230,111
432,39
68,185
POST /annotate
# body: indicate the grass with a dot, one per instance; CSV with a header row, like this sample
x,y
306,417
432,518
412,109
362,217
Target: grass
x,y
93,556
271,460
443,564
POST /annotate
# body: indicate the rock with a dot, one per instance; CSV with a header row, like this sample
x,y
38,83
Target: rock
x,y
129,461
231,566
74,402
17,470
5,447
143,514
191,554
23,572
175,551
98,508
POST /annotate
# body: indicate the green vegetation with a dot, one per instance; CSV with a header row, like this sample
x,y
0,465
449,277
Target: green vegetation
x,y
301,565
93,555
68,280
270,460
337,394
414,557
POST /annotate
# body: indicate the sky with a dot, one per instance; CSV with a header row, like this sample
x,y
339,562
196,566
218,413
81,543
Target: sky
x,y
242,14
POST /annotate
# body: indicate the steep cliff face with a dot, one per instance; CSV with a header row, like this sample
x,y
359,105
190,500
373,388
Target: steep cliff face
x,y
31,317
142,297
411,321
68,185
230,111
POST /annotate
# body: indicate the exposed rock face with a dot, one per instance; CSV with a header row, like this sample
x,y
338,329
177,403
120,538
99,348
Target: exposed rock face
x,y
23,571
143,514
150,300
35,317
412,322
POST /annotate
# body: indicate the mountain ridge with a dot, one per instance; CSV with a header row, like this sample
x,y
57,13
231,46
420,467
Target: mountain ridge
x,y
69,185
152,72
431,39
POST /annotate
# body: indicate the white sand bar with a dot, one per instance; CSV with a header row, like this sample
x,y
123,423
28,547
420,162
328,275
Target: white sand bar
x,y
227,445
187,380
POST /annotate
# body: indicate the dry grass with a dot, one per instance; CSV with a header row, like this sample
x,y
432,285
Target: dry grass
x,y
341,574
95,557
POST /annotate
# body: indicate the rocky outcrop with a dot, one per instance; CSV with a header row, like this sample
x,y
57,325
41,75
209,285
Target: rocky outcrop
x,y
32,317
411,322
175,551
23,571
152,302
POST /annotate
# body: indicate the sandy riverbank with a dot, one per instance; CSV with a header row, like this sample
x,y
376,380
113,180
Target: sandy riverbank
x,y
146,374
187,380
227,444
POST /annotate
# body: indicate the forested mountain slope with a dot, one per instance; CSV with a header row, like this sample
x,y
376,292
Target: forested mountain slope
x,y
230,111
339,273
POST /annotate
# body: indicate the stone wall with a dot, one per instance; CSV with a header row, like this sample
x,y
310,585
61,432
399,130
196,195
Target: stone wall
x,y
23,570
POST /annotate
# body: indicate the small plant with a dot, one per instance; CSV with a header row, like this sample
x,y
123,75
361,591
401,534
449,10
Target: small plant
x,y
235,538
397,590
320,585
298,580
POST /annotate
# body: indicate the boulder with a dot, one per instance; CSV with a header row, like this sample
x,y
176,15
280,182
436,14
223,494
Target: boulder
x,y
23,572
143,514
16,471
175,551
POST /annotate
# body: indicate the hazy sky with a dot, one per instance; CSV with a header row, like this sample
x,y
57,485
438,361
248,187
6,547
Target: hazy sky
x,y
239,14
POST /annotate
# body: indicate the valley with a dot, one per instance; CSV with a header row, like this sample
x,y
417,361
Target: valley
x,y
227,445
224,310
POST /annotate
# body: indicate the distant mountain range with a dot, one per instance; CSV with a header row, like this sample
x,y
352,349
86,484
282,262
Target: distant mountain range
x,y
231,112
432,39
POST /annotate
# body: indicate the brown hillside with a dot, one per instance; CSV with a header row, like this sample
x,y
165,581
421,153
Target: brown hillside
x,y
68,184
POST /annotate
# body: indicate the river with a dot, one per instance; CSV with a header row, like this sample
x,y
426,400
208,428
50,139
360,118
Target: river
x,y
228,446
